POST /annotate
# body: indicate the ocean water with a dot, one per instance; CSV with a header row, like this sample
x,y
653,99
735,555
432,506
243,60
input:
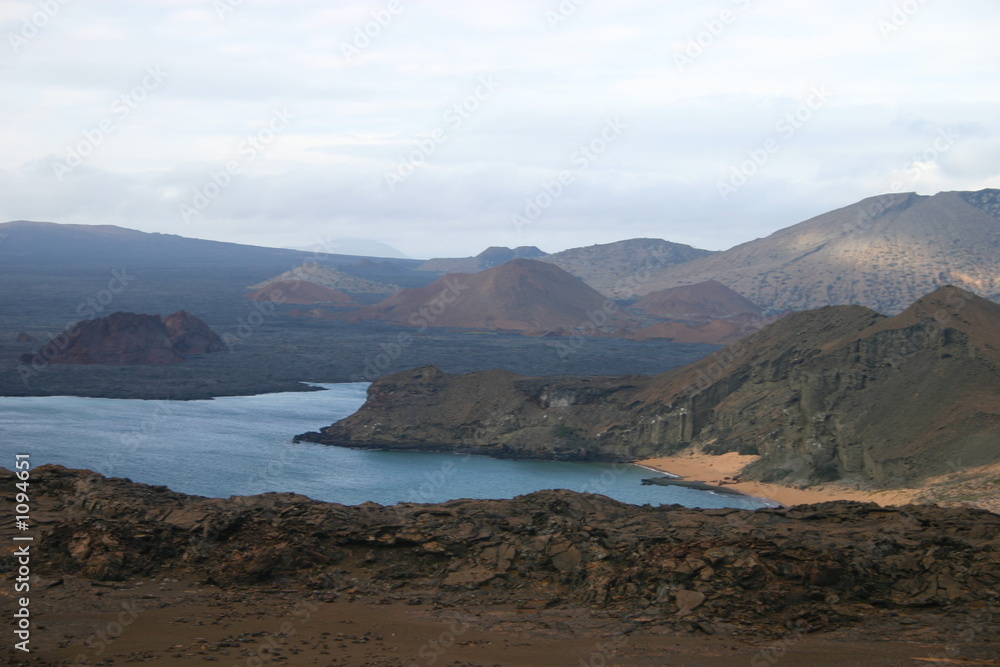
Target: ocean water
x,y
242,445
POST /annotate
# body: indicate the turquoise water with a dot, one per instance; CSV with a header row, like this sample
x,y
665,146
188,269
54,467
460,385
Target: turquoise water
x,y
242,445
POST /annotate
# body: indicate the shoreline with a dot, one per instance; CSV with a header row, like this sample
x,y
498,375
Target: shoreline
x,y
722,469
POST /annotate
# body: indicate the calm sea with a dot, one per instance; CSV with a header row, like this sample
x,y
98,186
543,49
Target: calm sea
x,y
242,445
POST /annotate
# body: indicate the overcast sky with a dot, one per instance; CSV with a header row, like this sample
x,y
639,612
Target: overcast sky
x,y
444,127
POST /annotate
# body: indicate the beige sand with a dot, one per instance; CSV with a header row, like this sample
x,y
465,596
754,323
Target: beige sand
x,y
722,469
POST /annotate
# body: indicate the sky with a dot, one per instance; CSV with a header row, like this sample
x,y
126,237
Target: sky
x,y
443,127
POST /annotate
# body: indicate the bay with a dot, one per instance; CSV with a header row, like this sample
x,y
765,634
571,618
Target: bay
x,y
242,445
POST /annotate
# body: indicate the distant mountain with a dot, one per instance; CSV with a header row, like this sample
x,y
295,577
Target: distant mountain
x,y
698,303
520,295
51,244
883,252
314,273
487,259
840,392
621,269
352,246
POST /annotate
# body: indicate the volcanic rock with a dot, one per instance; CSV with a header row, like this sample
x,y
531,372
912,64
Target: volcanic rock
x,y
190,334
129,338
811,567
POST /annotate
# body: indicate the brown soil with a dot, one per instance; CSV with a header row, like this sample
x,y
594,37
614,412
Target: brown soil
x,y
173,621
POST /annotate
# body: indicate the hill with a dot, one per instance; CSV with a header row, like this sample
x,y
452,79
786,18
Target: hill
x,y
838,393
314,273
299,292
487,259
520,295
127,338
699,303
882,252
620,269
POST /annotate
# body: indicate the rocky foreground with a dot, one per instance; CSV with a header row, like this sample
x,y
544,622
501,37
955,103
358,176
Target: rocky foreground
x,y
603,567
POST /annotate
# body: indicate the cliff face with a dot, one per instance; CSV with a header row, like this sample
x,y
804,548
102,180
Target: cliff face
x,y
840,392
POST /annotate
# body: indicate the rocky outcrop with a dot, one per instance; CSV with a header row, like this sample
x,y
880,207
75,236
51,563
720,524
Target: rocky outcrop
x,y
129,339
837,393
810,567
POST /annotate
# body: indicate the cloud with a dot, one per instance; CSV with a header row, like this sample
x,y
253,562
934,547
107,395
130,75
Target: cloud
x,y
358,113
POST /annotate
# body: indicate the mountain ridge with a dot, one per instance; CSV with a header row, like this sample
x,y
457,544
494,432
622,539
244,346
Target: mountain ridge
x,y
883,252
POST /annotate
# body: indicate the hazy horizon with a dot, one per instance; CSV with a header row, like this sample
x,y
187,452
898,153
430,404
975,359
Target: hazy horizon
x,y
443,128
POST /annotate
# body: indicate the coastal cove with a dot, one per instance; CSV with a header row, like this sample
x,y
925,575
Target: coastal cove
x,y
242,445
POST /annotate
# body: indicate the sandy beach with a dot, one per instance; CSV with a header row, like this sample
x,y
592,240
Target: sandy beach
x,y
722,469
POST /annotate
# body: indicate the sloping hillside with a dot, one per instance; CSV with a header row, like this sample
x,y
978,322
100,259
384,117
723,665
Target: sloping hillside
x,y
621,268
699,303
314,273
882,252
